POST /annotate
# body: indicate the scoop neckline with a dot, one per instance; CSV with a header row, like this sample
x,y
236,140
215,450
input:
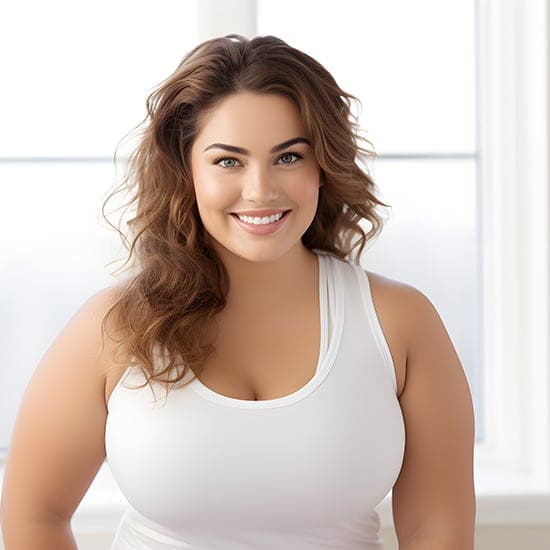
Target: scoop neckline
x,y
325,358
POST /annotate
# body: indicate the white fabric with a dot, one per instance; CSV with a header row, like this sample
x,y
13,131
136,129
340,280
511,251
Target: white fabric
x,y
205,471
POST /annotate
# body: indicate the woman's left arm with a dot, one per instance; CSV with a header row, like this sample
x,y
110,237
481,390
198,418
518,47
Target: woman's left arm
x,y
433,499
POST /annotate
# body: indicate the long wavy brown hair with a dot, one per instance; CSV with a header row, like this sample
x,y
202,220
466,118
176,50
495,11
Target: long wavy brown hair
x,y
178,282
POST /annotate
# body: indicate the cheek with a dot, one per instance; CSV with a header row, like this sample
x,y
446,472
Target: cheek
x,y
307,188
211,193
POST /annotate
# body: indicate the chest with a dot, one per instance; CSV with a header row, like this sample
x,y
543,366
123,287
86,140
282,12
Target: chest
x,y
259,358
266,356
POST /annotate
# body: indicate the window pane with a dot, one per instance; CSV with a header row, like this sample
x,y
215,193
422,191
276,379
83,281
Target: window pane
x,y
81,71
430,241
410,63
53,253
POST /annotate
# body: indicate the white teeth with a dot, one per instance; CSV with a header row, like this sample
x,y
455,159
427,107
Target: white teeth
x,y
261,221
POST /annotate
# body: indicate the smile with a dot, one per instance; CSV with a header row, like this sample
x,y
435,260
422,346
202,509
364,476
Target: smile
x,y
261,226
262,221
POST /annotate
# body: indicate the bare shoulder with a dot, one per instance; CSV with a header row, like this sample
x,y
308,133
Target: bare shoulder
x,y
111,364
389,289
87,339
101,332
406,309
418,318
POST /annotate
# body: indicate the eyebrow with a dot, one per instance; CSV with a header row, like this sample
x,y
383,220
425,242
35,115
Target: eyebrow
x,y
242,151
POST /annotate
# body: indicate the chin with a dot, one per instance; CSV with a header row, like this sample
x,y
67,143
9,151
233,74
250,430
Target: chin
x,y
260,253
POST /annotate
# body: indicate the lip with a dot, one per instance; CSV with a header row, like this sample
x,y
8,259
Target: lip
x,y
260,229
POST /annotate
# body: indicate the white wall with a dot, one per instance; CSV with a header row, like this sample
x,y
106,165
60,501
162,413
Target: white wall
x,y
487,538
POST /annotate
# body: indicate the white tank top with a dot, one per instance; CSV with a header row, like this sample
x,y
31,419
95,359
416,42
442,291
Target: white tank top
x,y
305,471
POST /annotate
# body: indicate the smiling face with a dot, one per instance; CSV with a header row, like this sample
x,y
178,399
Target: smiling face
x,y
252,156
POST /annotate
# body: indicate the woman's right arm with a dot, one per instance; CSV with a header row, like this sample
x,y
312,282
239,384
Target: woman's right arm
x,y
57,445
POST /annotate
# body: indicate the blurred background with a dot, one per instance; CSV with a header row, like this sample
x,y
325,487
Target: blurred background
x,y
454,98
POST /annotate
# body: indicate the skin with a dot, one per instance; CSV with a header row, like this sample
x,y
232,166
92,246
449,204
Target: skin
x,y
64,409
261,180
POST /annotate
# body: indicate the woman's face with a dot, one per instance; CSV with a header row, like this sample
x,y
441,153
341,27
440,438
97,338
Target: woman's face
x,y
270,173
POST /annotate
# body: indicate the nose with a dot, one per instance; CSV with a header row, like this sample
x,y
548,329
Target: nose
x,y
259,186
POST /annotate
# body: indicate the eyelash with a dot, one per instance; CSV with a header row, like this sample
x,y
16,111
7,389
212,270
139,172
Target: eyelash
x,y
295,153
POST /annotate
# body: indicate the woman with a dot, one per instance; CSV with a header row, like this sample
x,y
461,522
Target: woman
x,y
249,384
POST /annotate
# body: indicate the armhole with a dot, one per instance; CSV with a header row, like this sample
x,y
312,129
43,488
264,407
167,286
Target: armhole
x,y
380,338
117,387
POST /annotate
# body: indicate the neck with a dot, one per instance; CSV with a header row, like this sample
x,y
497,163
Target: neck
x,y
269,283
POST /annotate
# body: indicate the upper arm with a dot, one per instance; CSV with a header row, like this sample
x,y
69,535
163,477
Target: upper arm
x,y
434,492
57,444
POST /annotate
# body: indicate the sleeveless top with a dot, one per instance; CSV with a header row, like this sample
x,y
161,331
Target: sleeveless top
x,y
305,471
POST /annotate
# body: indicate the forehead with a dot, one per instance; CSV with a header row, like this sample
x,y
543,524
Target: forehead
x,y
251,120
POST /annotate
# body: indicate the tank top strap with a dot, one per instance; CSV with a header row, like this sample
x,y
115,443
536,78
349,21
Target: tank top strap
x,y
365,297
